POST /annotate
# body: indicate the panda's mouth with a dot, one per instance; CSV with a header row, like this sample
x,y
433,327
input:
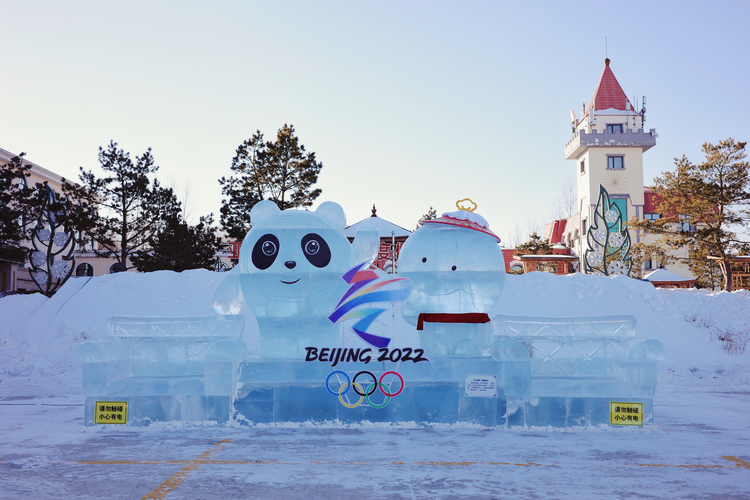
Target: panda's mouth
x,y
290,282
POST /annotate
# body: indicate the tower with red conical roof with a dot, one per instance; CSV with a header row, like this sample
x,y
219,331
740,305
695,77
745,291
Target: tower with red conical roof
x,y
608,145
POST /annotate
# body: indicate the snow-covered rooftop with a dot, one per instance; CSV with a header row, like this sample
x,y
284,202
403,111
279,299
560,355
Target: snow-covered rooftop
x,y
662,275
384,227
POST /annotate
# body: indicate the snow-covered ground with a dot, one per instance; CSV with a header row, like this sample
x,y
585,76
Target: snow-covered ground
x,y
699,446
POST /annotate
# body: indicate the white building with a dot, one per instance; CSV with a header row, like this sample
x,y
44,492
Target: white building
x,y
608,143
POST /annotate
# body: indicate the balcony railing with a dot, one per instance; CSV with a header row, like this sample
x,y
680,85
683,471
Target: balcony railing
x,y
582,140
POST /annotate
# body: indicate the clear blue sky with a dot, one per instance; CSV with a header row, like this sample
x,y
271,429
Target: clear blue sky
x,y
407,104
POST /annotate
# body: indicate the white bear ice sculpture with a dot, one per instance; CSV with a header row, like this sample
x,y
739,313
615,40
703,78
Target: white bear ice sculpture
x,y
289,273
457,273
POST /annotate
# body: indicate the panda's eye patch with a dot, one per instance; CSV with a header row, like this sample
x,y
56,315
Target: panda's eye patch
x,y
265,251
424,259
316,250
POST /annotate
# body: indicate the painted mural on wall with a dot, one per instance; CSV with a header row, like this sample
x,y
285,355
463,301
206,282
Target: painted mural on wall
x,y
608,252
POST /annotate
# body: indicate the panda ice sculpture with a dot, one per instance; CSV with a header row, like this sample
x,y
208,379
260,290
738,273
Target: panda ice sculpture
x,y
457,273
289,273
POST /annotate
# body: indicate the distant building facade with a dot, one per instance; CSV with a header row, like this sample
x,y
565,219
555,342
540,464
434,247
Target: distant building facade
x,y
14,275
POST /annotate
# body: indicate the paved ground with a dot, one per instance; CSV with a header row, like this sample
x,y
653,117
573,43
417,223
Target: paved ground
x,y
700,448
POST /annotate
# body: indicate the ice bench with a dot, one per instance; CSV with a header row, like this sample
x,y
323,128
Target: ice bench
x,y
165,368
577,366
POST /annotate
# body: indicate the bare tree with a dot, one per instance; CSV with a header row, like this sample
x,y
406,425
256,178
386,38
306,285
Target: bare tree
x,y
183,191
516,237
566,204
532,226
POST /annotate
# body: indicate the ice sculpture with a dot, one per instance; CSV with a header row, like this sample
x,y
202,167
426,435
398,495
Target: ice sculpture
x,y
579,366
457,272
299,275
289,274
164,368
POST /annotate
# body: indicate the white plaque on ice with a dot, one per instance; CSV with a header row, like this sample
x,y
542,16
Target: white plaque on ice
x,y
481,386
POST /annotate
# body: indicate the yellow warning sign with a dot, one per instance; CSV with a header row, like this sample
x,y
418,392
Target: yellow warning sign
x,y
111,412
625,413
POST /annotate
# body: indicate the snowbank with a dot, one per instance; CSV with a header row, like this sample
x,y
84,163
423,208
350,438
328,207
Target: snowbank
x,y
39,336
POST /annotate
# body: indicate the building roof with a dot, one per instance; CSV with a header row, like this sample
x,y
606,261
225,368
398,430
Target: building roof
x,y
608,93
650,200
384,227
664,276
46,175
572,227
553,232
547,257
508,257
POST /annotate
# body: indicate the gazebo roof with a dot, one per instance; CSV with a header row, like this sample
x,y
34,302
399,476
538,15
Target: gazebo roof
x,y
385,228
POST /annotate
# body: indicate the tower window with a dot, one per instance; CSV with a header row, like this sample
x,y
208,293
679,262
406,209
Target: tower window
x,y
615,127
615,162
583,166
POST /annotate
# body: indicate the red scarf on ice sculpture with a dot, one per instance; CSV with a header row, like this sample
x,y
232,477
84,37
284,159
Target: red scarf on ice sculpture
x,y
451,318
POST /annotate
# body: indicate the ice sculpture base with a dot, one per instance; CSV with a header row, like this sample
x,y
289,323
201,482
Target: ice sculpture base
x,y
579,365
434,392
146,410
557,372
165,368
573,411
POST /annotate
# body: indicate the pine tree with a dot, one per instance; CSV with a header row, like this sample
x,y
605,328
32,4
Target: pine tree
x,y
19,204
282,171
535,246
703,207
180,247
430,215
123,211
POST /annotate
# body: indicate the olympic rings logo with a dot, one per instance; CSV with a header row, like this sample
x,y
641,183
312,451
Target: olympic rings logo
x,y
364,395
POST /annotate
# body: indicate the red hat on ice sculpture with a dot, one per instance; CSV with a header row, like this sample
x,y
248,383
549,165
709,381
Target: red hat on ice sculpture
x,y
466,218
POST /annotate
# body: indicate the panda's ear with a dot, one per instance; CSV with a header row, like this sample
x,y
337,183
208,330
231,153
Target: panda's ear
x,y
262,211
332,213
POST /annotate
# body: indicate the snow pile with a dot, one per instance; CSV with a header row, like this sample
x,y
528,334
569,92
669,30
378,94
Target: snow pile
x,y
39,336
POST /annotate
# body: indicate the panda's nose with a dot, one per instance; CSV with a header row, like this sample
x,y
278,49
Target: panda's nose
x,y
290,264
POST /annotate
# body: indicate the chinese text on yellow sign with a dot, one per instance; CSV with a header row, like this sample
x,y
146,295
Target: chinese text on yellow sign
x,y
625,413
111,412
